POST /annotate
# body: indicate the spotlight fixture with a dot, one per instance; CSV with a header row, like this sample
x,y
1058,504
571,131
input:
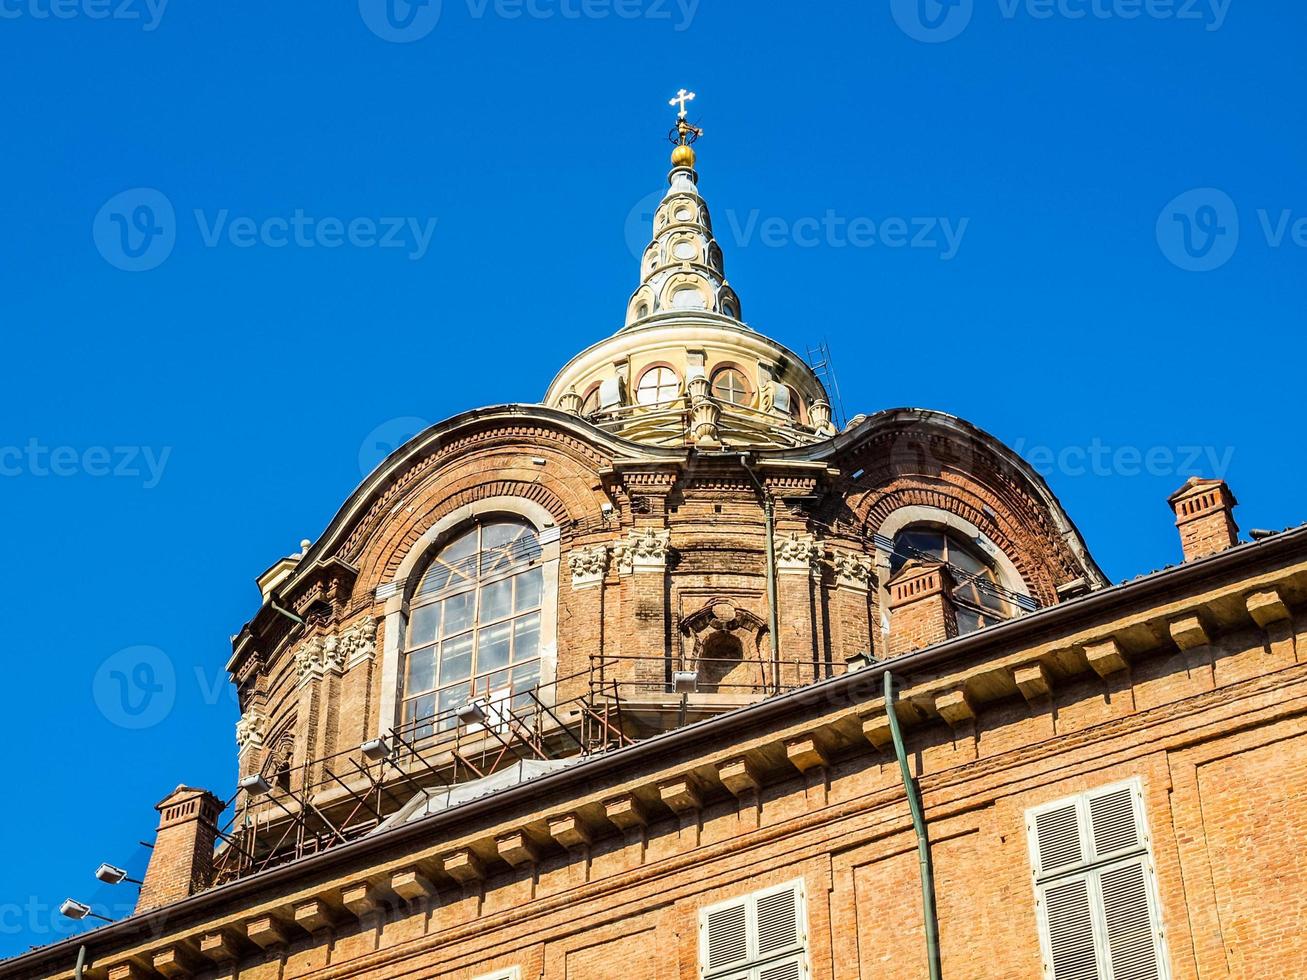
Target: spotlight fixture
x,y
112,875
685,681
77,911
376,749
1258,534
472,713
256,785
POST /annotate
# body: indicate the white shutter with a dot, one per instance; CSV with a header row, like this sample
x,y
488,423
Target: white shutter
x,y
1057,838
1069,919
762,936
790,968
1098,911
725,936
1132,934
1113,821
777,915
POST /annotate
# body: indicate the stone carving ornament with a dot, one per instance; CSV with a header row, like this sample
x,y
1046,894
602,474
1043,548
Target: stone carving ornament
x,y
852,568
643,550
796,551
588,564
337,651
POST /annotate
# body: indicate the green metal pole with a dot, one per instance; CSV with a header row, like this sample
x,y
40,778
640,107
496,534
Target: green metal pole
x,y
919,825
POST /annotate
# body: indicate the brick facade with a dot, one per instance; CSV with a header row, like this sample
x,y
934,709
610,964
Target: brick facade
x,y
602,872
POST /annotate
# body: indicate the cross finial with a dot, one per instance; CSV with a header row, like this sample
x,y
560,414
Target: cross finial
x,y
682,97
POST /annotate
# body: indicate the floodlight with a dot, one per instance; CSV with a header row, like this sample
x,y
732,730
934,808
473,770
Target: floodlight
x,y
75,910
376,749
1258,534
112,875
471,713
256,785
685,681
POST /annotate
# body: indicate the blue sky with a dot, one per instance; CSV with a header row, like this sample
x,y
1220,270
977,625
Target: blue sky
x,y
1073,223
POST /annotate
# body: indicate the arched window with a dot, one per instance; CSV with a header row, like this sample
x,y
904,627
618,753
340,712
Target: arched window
x,y
474,624
978,596
729,385
590,404
657,386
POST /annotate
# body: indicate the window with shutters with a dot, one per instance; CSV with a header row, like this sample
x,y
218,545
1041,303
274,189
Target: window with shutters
x,y
763,936
1095,887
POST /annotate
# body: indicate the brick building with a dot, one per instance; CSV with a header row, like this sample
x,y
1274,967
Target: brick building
x,y
652,680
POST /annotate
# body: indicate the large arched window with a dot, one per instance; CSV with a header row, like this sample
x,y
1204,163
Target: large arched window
x,y
474,624
978,597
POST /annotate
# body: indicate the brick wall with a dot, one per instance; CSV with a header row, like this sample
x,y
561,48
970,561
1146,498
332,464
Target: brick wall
x,y
1222,765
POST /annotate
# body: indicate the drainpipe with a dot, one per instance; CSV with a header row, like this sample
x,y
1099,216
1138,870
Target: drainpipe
x,y
919,825
769,521
81,962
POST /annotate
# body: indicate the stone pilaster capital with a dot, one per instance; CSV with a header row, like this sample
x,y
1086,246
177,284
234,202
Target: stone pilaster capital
x,y
588,565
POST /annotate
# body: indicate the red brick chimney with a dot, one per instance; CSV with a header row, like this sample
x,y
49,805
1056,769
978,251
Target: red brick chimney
x,y
921,606
1204,513
181,863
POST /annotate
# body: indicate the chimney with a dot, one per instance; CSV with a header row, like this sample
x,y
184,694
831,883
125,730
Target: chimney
x,y
181,863
1204,513
921,606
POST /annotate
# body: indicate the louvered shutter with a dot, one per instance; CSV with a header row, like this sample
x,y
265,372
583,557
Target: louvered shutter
x,y
790,968
725,941
1069,919
1132,934
777,916
1114,822
762,936
1093,881
1057,839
